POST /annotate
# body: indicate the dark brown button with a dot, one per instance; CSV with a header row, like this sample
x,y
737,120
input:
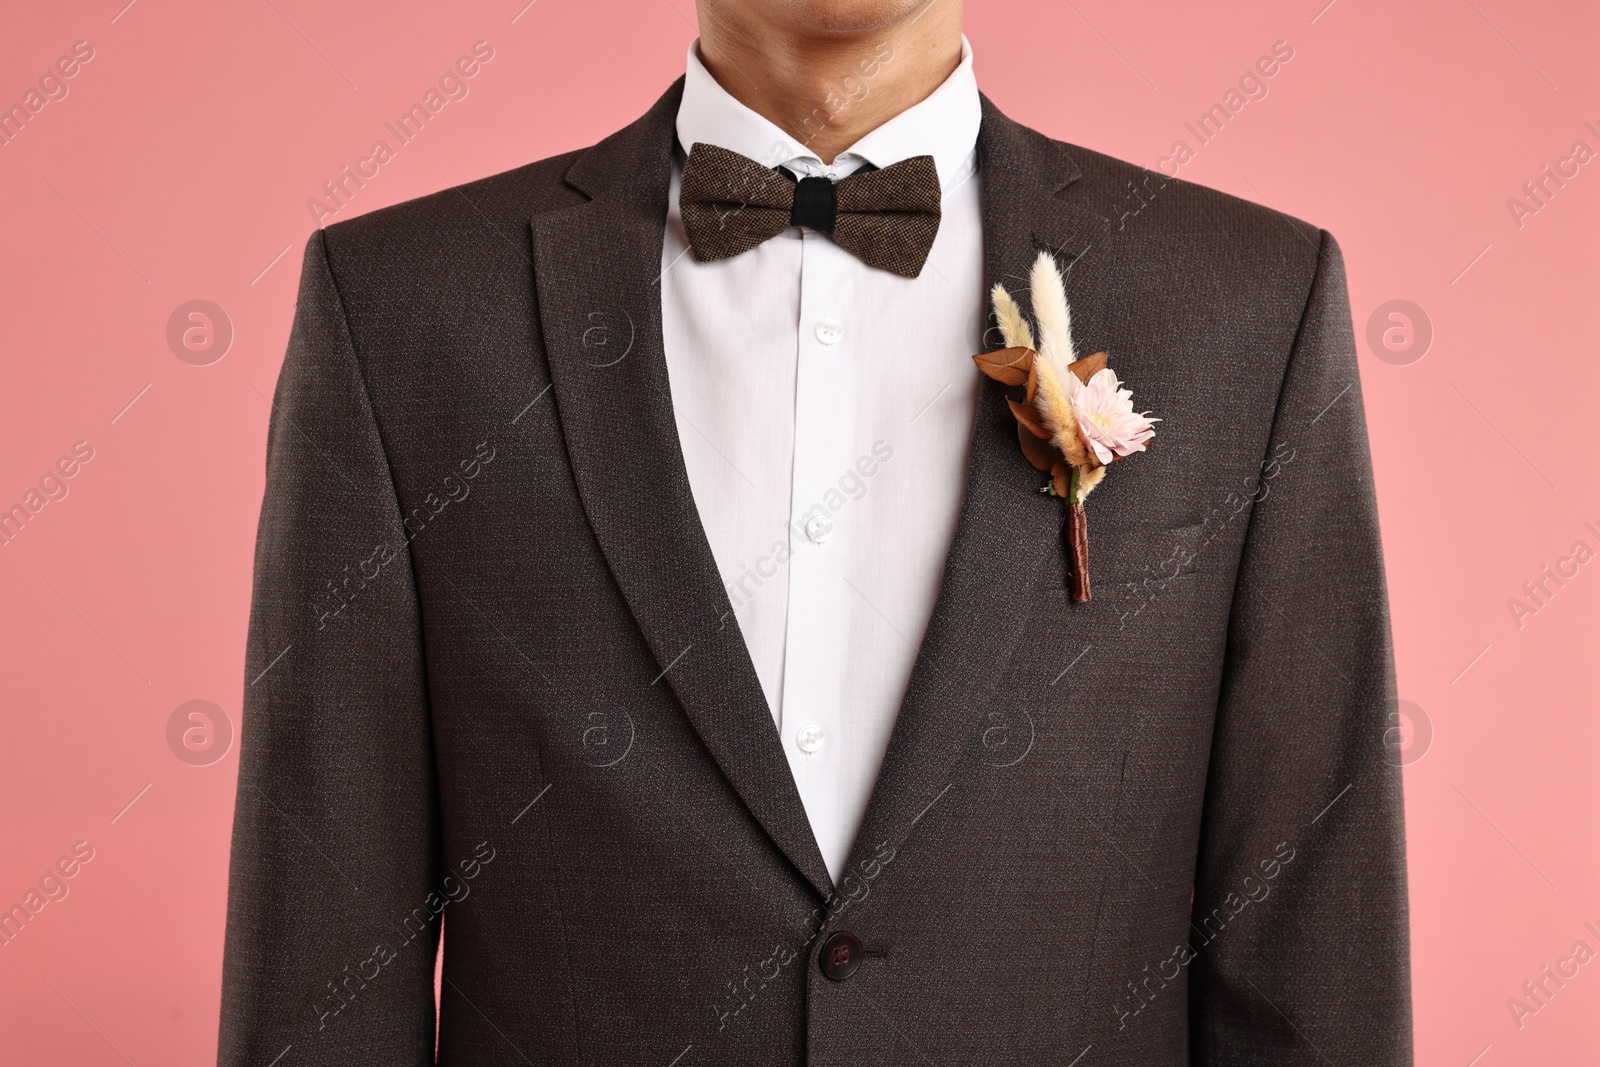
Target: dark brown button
x,y
840,956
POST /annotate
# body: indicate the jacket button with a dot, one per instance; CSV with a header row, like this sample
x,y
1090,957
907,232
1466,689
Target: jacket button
x,y
841,955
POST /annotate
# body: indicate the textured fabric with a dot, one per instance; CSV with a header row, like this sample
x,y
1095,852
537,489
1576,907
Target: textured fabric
x,y
809,388
888,218
489,684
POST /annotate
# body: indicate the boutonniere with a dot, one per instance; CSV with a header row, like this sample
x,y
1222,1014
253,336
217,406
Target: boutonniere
x,y
1075,418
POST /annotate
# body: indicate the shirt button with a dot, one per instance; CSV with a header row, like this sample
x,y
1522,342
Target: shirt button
x,y
828,331
809,738
819,529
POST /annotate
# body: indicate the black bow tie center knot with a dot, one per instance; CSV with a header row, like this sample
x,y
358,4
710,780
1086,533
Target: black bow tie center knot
x,y
816,204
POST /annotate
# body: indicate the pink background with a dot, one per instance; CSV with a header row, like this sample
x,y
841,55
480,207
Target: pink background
x,y
179,165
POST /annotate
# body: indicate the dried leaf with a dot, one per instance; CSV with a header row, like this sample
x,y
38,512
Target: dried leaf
x,y
1088,366
1007,365
1033,381
1060,478
1042,454
1028,418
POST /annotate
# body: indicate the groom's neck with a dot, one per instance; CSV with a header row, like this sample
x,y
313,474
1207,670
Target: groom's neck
x,y
828,81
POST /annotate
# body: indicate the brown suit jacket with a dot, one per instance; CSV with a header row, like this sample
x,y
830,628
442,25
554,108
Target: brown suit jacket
x,y
495,686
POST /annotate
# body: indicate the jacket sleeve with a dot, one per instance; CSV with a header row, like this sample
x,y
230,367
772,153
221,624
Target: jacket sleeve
x,y
331,933
1299,918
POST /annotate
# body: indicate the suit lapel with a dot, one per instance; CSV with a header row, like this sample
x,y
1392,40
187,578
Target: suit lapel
x,y
597,271
596,268
1006,550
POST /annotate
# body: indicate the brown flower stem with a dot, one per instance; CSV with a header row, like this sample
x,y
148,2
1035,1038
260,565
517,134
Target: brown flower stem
x,y
1077,538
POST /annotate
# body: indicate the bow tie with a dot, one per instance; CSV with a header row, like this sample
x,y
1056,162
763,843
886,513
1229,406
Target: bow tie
x,y
887,218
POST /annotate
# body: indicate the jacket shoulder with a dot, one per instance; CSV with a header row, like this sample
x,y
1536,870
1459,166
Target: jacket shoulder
x,y
1129,194
457,215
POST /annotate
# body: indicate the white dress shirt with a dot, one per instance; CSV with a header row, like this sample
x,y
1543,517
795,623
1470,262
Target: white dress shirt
x,y
824,409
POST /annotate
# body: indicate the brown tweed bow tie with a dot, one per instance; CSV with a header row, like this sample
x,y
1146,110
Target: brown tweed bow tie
x,y
887,218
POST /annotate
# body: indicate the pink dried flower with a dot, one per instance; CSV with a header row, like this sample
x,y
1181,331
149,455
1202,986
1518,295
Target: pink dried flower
x,y
1106,420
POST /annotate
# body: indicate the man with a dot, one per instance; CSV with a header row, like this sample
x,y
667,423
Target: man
x,y
651,595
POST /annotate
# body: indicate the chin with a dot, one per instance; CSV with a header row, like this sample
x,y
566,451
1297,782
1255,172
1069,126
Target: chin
x,y
824,17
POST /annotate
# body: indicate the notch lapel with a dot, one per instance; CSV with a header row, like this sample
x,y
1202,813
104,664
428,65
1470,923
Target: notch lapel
x,y
597,269
1007,542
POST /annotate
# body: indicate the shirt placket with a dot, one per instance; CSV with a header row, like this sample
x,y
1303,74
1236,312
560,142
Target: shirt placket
x,y
815,732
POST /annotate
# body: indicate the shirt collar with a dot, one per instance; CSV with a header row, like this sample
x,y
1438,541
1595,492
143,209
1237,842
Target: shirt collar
x,y
944,126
